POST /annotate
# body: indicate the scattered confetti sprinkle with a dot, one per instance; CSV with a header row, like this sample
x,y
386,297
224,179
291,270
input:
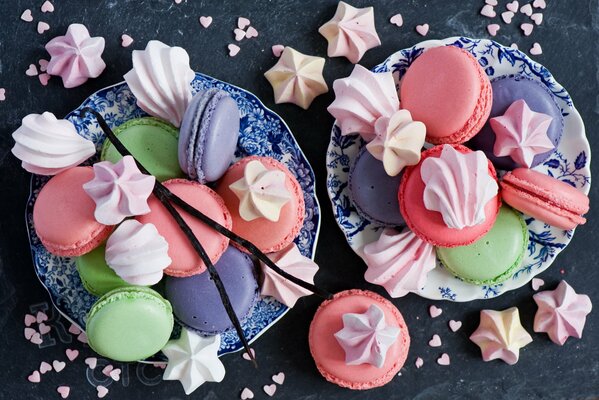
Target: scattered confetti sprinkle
x,y
488,11
58,365
562,271
64,391
47,7
434,311
435,341
513,6
455,325
205,21
444,359
422,29
277,49
493,29
270,389
34,377
26,16
242,22
45,367
42,27
102,391
246,394
279,378
126,40
507,16
396,20
72,354
233,49
419,363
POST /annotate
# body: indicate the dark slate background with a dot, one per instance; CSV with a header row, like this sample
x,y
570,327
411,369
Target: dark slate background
x,y
569,39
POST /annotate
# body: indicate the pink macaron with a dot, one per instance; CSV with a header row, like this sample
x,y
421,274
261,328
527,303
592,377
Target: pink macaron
x,y
449,92
429,225
545,198
328,354
63,215
185,261
269,236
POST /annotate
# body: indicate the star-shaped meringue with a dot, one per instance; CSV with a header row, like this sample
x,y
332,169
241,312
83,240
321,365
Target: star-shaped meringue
x,y
366,337
261,192
297,78
562,312
350,32
398,141
76,56
521,133
193,360
501,335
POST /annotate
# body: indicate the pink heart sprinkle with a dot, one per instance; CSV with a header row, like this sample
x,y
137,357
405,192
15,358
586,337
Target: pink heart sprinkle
x,y
45,367
527,28
36,338
537,282
29,332
434,311
64,391
82,337
42,27
58,365
242,22
514,46
422,29
43,65
455,325
539,4
205,21
536,50
44,328
537,18
34,377
277,49
233,49
239,34
246,394
102,391
26,16
115,374
513,6
507,16
178,1
279,378
270,389
491,2
526,9
32,70
159,365
47,7
72,354
397,20
74,329
246,356
91,362
435,341
419,362
2,94
488,11
251,32
126,40
444,359
107,369
493,29
41,317
29,319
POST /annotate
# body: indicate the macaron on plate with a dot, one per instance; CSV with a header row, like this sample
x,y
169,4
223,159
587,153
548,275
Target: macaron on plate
x,y
569,163
59,274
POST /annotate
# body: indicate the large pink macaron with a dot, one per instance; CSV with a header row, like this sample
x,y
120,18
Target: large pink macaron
x,y
429,225
63,215
447,90
330,356
269,236
185,261
545,198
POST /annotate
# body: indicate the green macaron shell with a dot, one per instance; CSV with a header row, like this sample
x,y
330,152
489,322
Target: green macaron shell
x,y
129,324
97,277
153,142
492,258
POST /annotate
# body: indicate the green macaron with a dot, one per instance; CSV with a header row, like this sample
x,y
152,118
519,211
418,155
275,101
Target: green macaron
x,y
97,277
129,324
492,258
153,142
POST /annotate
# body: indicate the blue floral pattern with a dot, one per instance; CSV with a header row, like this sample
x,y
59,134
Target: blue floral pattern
x,y
570,163
262,132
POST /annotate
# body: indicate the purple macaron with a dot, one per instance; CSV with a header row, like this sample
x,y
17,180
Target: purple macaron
x,y
506,90
373,192
195,299
208,135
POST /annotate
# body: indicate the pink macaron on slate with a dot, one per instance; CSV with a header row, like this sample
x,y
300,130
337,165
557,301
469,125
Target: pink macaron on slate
x,y
329,356
269,236
545,198
449,92
185,261
63,215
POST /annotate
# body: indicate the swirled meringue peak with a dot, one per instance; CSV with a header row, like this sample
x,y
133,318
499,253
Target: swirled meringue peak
x,y
160,80
400,262
351,32
458,185
119,190
361,99
562,313
137,253
398,141
261,192
46,145
366,337
293,262
76,56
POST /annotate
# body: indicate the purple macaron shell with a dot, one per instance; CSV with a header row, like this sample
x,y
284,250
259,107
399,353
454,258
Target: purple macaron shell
x,y
373,192
506,90
195,299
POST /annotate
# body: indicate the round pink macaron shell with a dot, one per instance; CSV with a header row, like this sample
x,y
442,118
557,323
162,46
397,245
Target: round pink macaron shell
x,y
329,355
448,91
185,261
429,225
63,215
269,236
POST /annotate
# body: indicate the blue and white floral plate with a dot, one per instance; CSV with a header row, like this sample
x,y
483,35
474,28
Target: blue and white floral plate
x,y
570,163
262,132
